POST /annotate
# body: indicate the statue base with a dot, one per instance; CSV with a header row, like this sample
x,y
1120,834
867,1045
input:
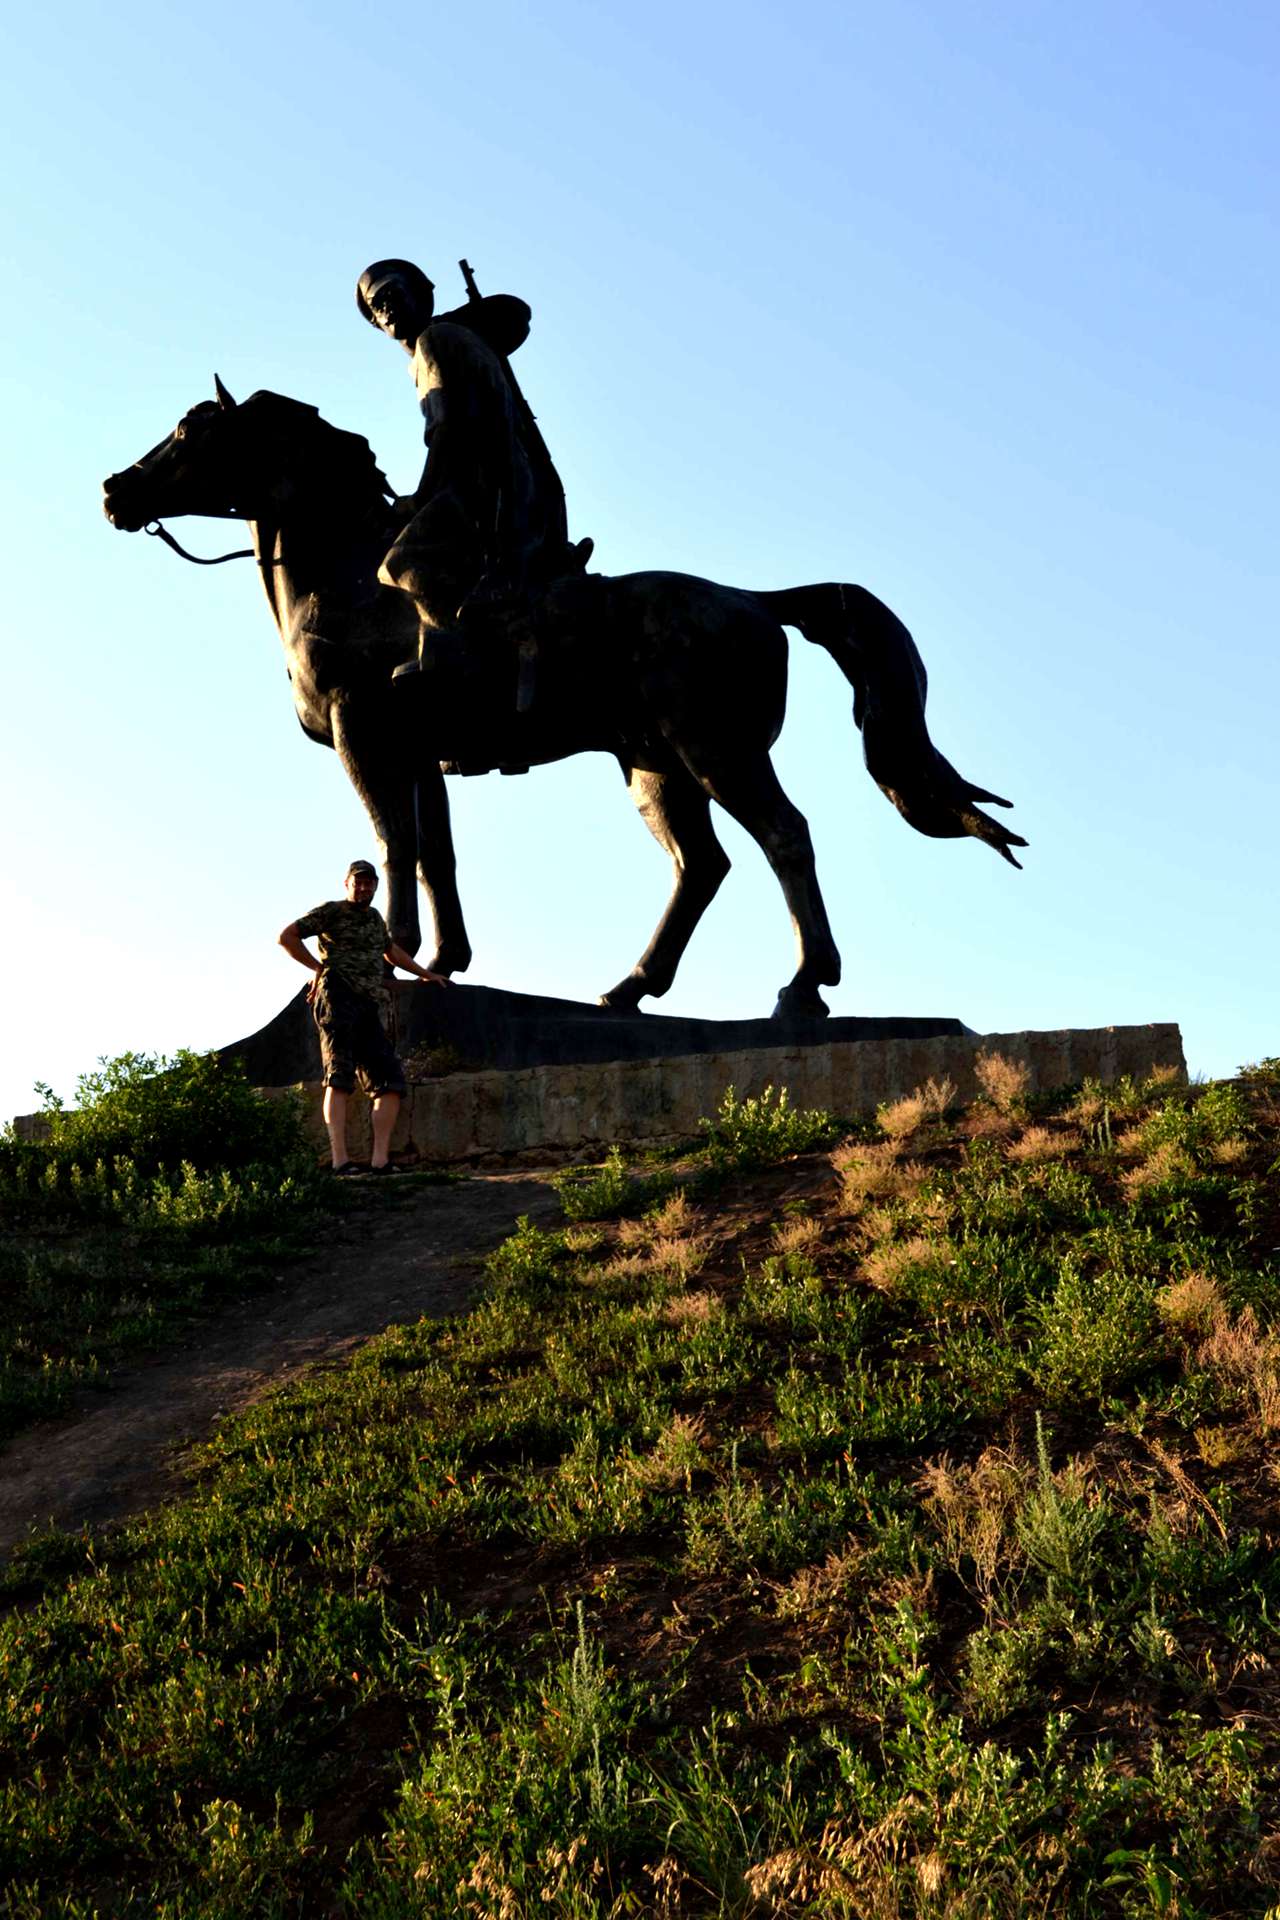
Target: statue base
x,y
501,1079
483,1029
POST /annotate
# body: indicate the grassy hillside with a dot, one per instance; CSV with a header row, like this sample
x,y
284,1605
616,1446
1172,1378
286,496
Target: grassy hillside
x,y
878,1526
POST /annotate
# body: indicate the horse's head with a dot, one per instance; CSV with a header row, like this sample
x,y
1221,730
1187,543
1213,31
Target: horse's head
x,y
200,468
271,455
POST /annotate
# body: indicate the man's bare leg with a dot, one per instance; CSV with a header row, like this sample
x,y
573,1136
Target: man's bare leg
x,y
335,1119
385,1108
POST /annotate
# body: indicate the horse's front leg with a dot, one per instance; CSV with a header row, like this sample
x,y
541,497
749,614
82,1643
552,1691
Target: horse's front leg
x,y
438,870
380,768
677,813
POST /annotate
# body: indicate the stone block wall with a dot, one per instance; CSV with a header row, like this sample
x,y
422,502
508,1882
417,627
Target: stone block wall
x,y
579,1111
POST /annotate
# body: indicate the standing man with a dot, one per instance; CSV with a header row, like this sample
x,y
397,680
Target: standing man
x,y
349,1000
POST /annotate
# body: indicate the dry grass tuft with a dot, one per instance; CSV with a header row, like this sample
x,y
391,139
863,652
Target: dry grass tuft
x,y
938,1097
1041,1143
879,1223
886,1267
674,1217
801,1234
901,1118
1166,1162
1231,1151
679,1256
974,1508
1004,1082
792,1880
1192,1306
1239,1353
676,1455
985,1122
857,1872
874,1173
1219,1446
1162,1080
692,1309
669,1880
625,1266
813,1589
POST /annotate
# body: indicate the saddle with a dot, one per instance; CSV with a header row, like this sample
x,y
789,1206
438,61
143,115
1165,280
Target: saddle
x,y
499,616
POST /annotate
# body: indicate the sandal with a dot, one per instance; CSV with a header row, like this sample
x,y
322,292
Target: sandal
x,y
380,1173
345,1171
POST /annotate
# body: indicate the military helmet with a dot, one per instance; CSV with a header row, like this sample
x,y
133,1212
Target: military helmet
x,y
372,278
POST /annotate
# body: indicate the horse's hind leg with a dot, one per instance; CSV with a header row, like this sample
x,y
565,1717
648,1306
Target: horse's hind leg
x,y
748,788
677,813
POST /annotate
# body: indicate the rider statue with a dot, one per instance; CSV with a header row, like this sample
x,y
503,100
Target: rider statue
x,y
486,528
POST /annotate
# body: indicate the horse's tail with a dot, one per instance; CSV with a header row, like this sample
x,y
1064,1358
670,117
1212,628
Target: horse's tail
x,y
880,661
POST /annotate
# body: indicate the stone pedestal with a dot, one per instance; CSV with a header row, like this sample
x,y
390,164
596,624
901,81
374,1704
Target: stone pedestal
x,y
475,1029
579,1109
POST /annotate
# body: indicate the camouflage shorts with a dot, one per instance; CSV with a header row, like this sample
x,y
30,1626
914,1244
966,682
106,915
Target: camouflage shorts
x,y
353,1039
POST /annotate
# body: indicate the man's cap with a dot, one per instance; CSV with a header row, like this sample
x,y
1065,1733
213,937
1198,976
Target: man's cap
x,y
362,866
381,270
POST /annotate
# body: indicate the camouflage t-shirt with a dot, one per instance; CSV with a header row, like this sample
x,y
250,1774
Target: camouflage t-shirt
x,y
352,942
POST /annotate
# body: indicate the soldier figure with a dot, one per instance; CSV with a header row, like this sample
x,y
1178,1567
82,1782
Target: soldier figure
x,y
487,522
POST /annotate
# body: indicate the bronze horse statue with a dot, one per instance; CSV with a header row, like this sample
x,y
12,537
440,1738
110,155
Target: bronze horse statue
x,y
682,680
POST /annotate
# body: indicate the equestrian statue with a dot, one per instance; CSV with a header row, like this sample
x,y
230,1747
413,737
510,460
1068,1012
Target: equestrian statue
x,y
458,630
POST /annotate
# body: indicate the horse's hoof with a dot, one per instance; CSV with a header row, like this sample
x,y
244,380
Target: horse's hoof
x,y
624,998
800,1003
447,962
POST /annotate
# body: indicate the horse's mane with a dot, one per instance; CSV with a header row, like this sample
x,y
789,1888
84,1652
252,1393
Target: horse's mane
x,y
342,457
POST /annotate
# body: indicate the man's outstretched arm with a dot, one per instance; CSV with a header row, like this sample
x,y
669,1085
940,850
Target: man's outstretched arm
x,y
397,957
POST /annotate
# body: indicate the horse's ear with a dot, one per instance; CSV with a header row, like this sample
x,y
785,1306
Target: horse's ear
x,y
224,398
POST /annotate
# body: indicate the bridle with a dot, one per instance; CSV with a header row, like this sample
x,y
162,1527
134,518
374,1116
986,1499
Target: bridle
x,y
160,532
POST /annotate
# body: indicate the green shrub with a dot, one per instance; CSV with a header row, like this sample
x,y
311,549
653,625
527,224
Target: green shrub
x,y
1097,1331
172,1182
163,1114
594,1193
529,1264
604,1192
754,1132
1198,1125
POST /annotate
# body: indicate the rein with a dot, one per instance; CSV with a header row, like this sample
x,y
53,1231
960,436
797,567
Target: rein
x,y
242,553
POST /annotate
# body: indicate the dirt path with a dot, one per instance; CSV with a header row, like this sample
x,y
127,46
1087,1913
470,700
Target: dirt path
x,y
118,1452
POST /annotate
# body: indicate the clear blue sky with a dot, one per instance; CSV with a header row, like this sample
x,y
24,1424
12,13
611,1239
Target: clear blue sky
x,y
972,304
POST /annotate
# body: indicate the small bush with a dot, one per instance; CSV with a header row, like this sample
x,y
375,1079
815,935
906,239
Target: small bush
x,y
606,1191
160,1115
594,1193
755,1132
1096,1332
529,1263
